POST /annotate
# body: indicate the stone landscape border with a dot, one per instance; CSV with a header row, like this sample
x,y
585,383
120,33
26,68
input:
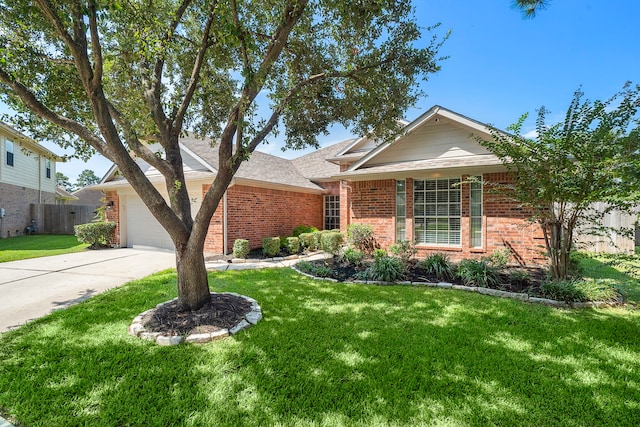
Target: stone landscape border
x,y
274,259
485,291
251,318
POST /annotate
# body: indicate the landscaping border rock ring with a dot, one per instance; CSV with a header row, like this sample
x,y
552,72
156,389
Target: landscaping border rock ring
x,y
137,329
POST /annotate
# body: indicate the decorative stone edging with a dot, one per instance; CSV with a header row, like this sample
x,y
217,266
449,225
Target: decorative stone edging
x,y
251,318
276,259
485,291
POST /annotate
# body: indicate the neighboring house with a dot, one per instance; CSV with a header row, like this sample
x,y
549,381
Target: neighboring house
x,y
89,196
27,176
433,185
63,197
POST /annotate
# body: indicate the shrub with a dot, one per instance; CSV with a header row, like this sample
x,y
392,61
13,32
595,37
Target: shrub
x,y
308,241
331,241
313,269
317,237
519,277
439,265
579,290
404,250
303,229
96,234
270,246
378,253
240,248
360,236
293,245
386,269
477,273
499,258
353,256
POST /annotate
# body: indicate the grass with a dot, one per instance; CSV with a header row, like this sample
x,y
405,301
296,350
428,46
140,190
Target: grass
x,y
622,271
327,354
41,245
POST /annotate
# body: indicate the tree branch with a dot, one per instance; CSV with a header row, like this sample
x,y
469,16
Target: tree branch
x,y
96,48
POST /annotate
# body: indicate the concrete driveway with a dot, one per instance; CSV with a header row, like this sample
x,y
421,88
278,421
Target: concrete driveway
x,y
33,288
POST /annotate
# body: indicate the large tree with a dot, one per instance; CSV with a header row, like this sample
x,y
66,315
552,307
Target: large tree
x,y
87,177
592,156
111,76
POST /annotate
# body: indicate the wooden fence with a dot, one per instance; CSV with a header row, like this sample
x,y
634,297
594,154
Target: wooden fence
x,y
615,242
60,219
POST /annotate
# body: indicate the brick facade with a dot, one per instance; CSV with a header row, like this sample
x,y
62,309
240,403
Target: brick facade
x,y
16,201
505,224
254,213
112,212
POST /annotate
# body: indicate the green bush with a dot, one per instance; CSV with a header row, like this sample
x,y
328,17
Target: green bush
x,y
317,237
386,269
403,249
308,241
499,258
240,248
579,290
331,242
360,236
439,265
378,253
96,234
270,246
303,229
293,245
313,269
353,256
477,273
519,277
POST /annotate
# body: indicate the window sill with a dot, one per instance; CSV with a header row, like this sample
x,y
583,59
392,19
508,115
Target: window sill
x,y
440,248
477,250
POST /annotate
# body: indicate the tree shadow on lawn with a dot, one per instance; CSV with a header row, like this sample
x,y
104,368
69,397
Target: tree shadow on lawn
x,y
328,354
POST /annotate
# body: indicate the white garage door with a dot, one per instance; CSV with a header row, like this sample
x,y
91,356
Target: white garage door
x,y
143,229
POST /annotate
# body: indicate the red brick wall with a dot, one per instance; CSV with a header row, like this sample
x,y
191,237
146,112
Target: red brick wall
x,y
113,212
254,213
16,201
504,222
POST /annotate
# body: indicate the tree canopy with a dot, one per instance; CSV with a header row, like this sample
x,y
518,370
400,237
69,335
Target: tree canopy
x,y
87,177
63,181
112,76
592,156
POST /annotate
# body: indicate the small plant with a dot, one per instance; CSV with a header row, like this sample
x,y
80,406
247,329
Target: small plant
x,y
240,248
379,253
331,241
317,237
499,258
293,245
96,234
360,236
477,273
307,241
439,265
386,269
270,246
353,257
403,249
303,229
313,269
579,290
519,277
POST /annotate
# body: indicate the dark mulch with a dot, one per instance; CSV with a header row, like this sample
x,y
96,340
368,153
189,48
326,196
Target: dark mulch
x,y
254,254
223,312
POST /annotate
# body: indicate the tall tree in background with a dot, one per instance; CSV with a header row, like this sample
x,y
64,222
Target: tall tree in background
x,y
529,8
63,181
593,156
87,177
111,75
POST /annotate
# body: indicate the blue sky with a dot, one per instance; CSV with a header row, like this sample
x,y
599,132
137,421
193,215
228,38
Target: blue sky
x,y
501,66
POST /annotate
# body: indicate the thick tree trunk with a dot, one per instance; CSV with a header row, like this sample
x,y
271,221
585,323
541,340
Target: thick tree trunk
x,y
193,285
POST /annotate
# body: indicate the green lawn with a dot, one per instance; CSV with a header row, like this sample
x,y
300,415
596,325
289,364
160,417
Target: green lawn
x,y
328,354
622,271
24,247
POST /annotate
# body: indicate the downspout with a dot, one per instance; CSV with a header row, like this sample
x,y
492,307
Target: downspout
x,y
224,223
40,179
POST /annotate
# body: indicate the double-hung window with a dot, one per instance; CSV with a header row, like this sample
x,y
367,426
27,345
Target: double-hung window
x,y
475,216
437,211
48,168
9,156
331,212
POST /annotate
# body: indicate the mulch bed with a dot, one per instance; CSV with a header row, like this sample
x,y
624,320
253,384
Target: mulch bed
x,y
223,312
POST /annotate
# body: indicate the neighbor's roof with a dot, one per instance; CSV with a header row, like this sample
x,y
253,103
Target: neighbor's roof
x,y
29,142
61,193
315,165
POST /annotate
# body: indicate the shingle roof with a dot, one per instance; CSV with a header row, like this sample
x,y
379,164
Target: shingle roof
x,y
315,166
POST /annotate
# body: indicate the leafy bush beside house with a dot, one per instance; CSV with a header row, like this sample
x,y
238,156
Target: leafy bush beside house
x,y
96,234
331,241
303,229
308,241
270,246
293,245
240,248
360,236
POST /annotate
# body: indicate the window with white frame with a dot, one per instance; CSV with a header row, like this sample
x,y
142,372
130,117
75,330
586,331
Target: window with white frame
x,y
437,211
9,156
47,165
401,210
475,215
331,212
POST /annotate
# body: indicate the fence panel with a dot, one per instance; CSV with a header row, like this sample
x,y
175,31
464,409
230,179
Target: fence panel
x,y
60,219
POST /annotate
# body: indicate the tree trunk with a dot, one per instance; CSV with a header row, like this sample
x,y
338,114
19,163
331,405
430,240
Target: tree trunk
x,y
193,285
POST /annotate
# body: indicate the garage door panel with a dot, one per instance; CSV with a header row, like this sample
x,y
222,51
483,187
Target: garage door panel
x,y
142,227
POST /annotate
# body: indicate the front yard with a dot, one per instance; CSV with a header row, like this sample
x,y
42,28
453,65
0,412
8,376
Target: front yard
x,y
36,246
328,354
